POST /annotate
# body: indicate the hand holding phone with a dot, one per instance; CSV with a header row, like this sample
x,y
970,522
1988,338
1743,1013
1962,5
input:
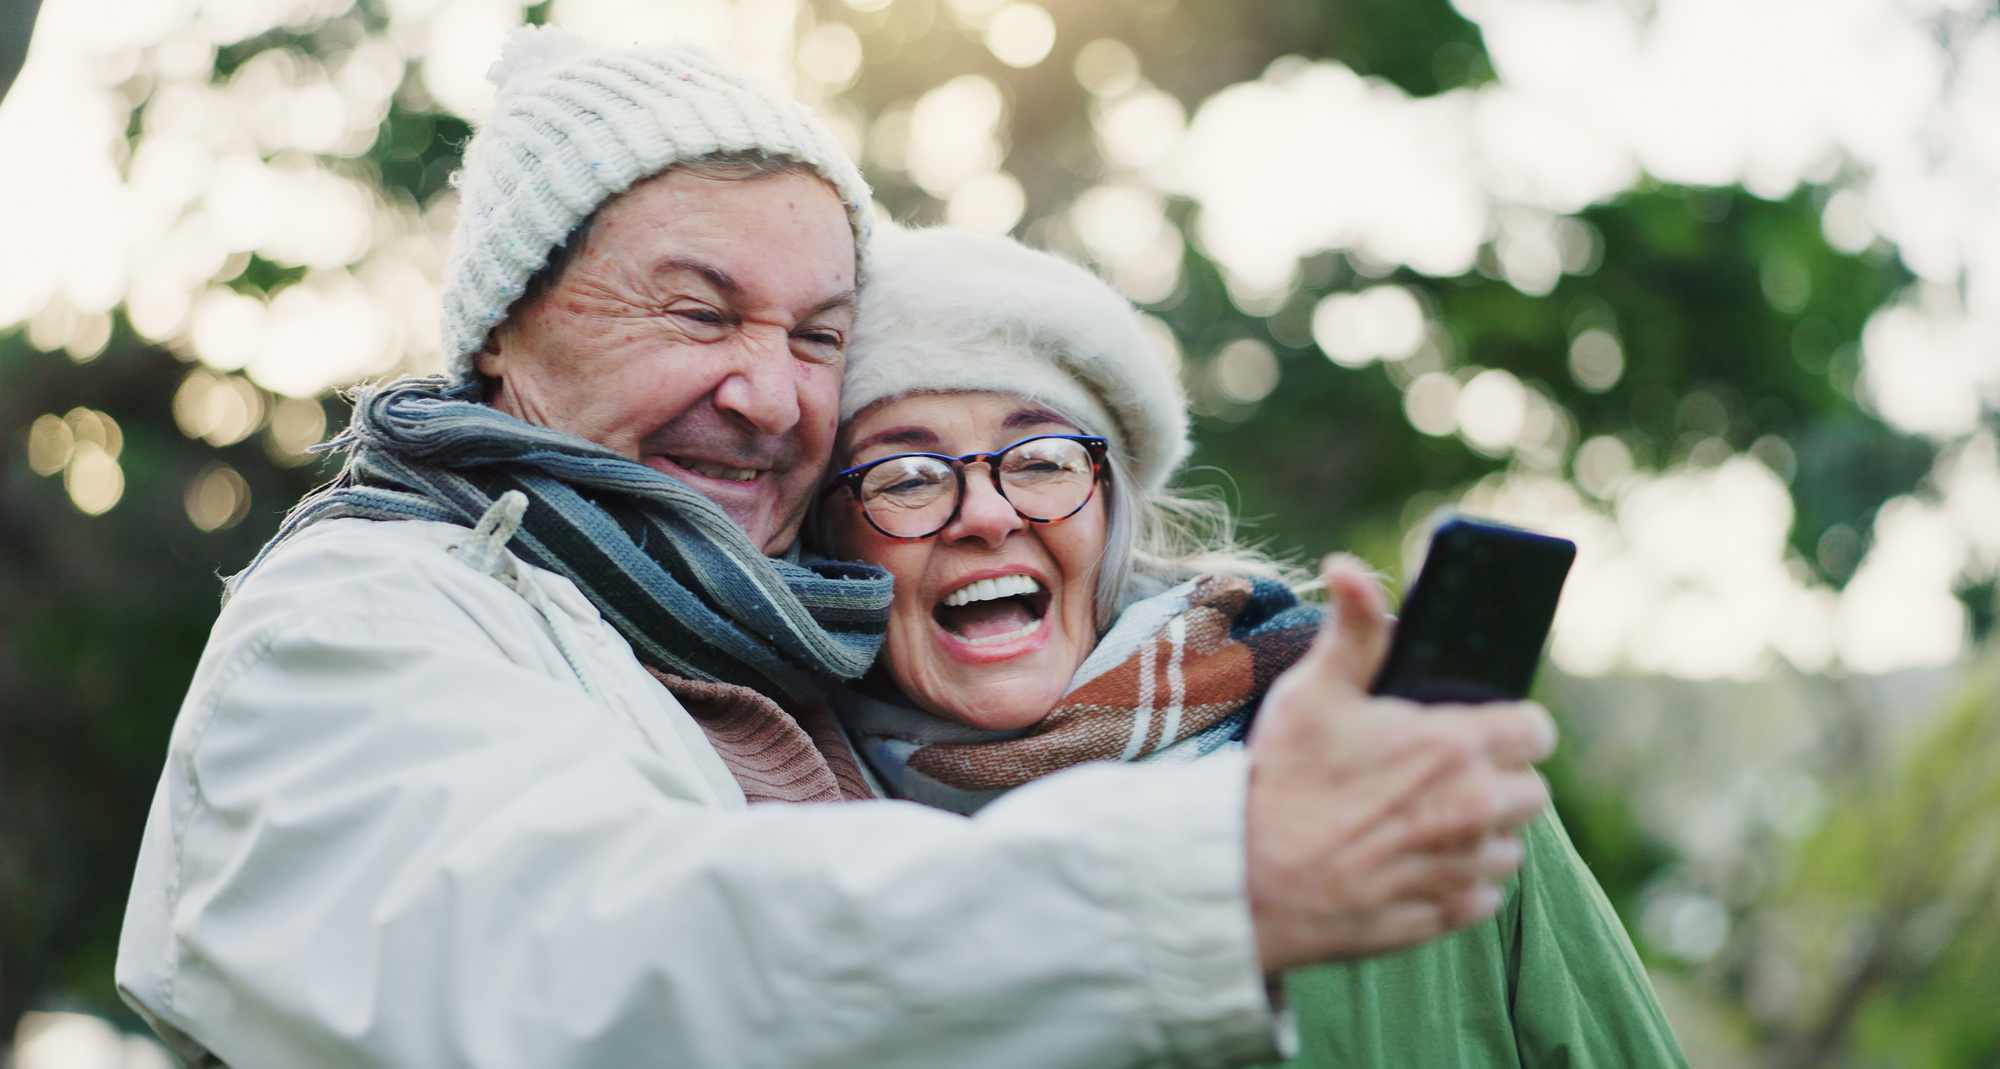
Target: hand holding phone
x,y
1473,627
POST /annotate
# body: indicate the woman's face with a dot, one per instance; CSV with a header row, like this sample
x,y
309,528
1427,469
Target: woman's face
x,y
998,662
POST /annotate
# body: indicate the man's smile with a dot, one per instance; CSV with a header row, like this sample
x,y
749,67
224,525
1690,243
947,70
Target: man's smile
x,y
716,470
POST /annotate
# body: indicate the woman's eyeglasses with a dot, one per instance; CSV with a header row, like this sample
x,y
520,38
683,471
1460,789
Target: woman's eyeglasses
x,y
915,495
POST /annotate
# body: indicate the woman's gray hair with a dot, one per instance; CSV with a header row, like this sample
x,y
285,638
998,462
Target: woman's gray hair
x,y
1155,541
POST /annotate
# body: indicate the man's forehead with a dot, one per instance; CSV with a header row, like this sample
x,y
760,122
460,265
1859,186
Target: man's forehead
x,y
740,239
679,201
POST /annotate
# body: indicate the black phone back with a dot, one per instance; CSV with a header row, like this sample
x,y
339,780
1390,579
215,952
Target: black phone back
x,y
1473,628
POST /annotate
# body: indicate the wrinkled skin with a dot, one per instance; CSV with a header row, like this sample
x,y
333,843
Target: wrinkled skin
x,y
700,331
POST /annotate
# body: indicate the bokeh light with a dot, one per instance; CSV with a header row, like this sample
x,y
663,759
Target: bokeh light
x,y
1602,463
1379,323
1245,371
50,443
223,196
954,134
44,1040
93,478
1431,404
1107,67
83,447
1596,359
987,203
1893,111
1491,411
221,409
217,497
1020,34
297,424
1124,226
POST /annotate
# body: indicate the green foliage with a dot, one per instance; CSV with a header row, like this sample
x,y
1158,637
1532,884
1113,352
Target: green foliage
x,y
1708,356
1894,899
105,618
1739,322
261,276
416,151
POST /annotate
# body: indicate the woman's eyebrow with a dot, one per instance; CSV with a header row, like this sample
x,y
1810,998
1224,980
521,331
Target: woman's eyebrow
x,y
915,436
1034,417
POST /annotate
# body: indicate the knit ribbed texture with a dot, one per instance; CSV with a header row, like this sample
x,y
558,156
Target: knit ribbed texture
x,y
667,568
946,311
775,755
573,126
1180,674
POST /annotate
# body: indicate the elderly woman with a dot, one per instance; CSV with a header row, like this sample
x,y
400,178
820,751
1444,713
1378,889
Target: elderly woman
x,y
1006,442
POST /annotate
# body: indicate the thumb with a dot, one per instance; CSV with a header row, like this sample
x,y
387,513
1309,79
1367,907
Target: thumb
x,y
1354,634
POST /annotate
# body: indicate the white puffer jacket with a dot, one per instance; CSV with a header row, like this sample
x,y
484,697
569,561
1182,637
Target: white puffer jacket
x,y
395,830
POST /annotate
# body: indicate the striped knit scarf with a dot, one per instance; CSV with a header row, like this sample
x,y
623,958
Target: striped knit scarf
x,y
1178,676
667,568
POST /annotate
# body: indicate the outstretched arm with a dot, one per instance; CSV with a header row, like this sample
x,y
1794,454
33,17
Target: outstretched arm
x,y
1374,824
395,831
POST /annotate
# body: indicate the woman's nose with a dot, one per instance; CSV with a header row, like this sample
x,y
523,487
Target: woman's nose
x,y
983,515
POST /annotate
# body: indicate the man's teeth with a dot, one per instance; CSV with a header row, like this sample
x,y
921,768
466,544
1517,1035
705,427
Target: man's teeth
x,y
1005,586
719,471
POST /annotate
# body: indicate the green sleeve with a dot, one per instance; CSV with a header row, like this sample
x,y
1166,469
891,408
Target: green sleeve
x,y
1581,998
1550,982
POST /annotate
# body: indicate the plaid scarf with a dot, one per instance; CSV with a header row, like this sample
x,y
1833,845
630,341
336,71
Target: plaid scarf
x,y
1178,676
664,565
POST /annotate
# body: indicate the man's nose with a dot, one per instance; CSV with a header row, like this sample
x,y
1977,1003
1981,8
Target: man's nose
x,y
983,515
761,384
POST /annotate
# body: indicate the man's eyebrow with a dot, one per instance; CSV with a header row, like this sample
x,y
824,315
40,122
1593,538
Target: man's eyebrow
x,y
728,286
917,436
716,276
1030,417
836,302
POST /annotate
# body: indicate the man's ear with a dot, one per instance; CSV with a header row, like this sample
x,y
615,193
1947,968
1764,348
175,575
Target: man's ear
x,y
491,359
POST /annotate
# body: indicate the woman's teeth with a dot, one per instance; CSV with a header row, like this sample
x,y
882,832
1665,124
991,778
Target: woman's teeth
x,y
1005,586
717,471
992,640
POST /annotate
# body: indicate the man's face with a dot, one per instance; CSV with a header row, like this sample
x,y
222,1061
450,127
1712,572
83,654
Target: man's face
x,y
700,331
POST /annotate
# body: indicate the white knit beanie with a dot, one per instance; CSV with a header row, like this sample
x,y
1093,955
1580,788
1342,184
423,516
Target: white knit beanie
x,y
573,126
946,311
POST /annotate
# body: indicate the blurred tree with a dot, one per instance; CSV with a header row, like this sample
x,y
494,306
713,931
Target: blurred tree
x,y
1887,930
1738,324
17,24
105,616
1686,276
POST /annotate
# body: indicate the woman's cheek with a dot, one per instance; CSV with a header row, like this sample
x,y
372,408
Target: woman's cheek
x,y
907,648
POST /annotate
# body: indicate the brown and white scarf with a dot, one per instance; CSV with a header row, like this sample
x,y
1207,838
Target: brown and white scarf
x,y
1177,677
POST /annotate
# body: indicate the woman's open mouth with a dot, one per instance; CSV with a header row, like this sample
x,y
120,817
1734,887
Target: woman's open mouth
x,y
989,612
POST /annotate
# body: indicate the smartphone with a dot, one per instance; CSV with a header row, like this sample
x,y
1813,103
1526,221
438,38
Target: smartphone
x,y
1473,627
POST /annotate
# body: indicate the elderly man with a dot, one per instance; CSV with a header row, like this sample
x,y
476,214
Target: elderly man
x,y
451,797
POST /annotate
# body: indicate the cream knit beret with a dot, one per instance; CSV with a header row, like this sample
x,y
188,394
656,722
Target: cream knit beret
x,y
945,311
573,126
